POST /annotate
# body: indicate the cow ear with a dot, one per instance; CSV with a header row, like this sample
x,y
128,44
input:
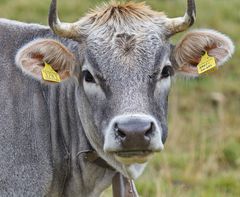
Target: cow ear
x,y
194,44
32,57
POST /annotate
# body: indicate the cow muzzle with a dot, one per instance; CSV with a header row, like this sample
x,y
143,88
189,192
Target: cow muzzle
x,y
133,138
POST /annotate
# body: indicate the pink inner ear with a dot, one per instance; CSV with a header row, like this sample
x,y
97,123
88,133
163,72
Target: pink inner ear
x,y
215,52
37,56
34,64
211,52
33,67
64,75
218,53
195,61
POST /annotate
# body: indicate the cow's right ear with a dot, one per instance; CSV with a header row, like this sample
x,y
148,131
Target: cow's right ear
x,y
32,57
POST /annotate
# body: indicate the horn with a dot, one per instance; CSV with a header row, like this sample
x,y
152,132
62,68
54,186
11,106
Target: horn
x,y
67,30
179,24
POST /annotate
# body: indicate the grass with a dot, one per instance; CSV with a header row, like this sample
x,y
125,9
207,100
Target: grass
x,y
202,153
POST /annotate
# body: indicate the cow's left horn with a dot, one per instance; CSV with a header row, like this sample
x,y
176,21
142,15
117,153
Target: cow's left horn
x,y
67,30
179,24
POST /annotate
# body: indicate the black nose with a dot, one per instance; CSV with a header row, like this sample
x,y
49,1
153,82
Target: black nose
x,y
134,133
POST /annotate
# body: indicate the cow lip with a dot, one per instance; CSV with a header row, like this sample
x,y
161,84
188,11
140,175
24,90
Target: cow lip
x,y
131,157
139,153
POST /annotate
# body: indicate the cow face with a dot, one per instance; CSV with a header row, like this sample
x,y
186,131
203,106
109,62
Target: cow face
x,y
127,79
126,76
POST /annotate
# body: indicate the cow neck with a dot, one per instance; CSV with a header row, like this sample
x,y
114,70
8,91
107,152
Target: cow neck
x,y
92,156
121,186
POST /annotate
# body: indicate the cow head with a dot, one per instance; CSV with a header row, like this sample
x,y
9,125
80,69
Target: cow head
x,y
125,78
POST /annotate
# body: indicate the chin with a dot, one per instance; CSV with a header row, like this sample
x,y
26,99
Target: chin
x,y
135,170
134,165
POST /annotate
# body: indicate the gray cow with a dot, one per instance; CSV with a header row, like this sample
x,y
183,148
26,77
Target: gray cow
x,y
116,65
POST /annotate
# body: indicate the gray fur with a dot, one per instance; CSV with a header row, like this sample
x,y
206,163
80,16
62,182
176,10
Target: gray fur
x,y
40,129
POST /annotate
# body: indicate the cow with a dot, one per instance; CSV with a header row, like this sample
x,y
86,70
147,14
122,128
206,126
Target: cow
x,y
108,115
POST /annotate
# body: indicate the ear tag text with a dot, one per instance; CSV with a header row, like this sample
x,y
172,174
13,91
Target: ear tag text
x,y
49,74
207,64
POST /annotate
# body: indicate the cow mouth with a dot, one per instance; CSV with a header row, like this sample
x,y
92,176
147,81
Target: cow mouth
x,y
130,157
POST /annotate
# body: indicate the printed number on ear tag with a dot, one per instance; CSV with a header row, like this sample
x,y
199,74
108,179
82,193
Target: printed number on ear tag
x,y
207,64
49,74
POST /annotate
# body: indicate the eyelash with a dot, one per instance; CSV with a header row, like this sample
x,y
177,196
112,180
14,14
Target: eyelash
x,y
88,77
167,71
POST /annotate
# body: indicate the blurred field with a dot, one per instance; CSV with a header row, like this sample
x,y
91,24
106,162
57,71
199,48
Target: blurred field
x,y
202,153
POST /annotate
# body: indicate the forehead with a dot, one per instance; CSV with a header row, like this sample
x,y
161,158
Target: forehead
x,y
127,51
129,36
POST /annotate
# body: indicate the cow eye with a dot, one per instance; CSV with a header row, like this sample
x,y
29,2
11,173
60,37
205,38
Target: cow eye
x,y
88,77
167,71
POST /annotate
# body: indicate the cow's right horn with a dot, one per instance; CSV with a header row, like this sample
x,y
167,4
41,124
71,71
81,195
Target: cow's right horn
x,y
67,30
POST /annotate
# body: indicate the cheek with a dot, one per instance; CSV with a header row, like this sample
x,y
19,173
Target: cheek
x,y
161,97
93,90
161,100
97,101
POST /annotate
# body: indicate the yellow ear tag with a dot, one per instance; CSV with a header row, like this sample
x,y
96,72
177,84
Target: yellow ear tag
x,y
49,74
207,64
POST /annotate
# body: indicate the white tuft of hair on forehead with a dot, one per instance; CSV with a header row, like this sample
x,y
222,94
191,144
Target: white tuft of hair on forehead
x,y
122,17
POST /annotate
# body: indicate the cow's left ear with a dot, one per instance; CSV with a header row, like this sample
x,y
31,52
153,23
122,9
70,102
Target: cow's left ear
x,y
194,44
32,57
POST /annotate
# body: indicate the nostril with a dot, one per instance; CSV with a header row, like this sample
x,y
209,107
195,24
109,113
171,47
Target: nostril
x,y
150,130
119,132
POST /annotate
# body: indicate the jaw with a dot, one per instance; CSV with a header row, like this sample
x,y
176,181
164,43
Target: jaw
x,y
135,170
134,162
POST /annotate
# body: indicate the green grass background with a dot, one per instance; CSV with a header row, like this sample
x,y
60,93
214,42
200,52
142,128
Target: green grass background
x,y
202,152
